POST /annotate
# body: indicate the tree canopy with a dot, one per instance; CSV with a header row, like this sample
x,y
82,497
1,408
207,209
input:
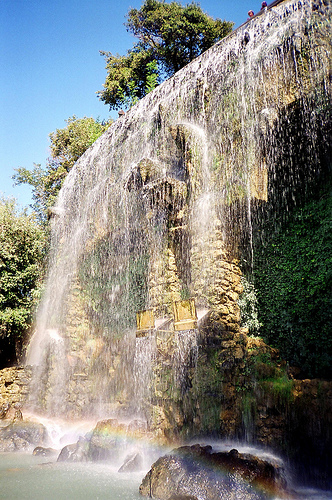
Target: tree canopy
x,y
22,244
67,145
169,37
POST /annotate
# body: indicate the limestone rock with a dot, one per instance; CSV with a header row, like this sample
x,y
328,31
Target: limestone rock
x,y
9,412
104,443
14,385
77,452
40,451
182,497
196,472
22,435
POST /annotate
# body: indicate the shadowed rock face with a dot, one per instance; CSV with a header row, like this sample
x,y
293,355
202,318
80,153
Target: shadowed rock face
x,y
197,472
132,463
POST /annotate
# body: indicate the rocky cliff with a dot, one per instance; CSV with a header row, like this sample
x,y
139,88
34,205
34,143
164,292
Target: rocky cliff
x,y
169,204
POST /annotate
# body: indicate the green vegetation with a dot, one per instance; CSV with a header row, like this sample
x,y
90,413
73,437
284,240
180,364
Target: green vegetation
x,y
281,388
248,305
22,244
271,377
265,379
170,36
117,290
129,78
293,283
67,145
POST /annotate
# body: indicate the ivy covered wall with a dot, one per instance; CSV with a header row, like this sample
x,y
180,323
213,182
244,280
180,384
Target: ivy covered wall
x,y
293,283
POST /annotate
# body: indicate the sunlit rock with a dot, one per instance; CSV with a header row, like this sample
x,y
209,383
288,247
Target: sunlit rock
x,y
196,471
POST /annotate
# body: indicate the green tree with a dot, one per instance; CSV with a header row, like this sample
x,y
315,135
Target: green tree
x,y
170,36
22,245
129,77
67,145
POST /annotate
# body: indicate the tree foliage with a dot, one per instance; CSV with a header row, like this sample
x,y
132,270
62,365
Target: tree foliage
x,y
67,145
129,78
22,244
170,36
293,281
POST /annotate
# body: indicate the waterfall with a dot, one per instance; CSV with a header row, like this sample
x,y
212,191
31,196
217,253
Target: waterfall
x,y
162,207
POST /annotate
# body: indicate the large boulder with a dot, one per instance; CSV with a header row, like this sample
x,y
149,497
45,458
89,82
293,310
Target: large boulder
x,y
22,435
102,443
196,472
76,452
41,451
105,442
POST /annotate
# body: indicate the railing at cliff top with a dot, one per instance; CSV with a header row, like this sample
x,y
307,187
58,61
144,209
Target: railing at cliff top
x,y
298,3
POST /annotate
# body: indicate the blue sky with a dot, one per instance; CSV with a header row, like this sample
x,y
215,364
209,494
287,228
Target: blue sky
x,y
51,69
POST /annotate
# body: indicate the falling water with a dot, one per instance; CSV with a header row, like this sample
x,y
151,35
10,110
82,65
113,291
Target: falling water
x,y
143,362
185,357
161,207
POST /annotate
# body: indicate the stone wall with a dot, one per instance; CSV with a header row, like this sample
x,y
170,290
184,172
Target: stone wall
x,y
14,386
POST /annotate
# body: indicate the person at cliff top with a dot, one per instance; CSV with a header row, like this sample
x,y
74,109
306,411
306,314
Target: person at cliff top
x,y
264,4
250,14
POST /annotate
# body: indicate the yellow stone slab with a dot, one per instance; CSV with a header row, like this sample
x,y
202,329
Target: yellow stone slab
x,y
145,322
185,316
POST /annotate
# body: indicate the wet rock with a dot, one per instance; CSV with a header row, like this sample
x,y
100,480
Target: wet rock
x,y
196,472
104,443
21,435
137,428
77,452
14,386
67,453
10,412
133,463
40,451
183,497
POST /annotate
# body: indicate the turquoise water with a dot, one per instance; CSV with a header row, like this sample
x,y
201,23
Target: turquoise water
x,y
26,477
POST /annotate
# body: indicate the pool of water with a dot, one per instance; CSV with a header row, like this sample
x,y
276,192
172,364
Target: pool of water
x,y
26,477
